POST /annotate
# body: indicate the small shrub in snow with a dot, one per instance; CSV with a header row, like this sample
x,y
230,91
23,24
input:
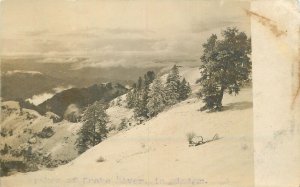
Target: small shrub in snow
x,y
4,150
100,159
47,132
3,132
30,116
118,101
190,136
198,140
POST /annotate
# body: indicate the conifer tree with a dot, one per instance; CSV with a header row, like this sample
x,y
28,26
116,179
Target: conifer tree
x,y
130,99
226,67
149,77
184,89
138,97
93,130
172,86
140,83
140,109
156,100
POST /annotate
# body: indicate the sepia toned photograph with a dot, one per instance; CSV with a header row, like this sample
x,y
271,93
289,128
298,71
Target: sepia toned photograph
x,y
127,93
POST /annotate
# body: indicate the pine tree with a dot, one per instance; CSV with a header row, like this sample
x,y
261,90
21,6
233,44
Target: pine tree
x,y
173,75
184,90
156,100
149,77
140,83
130,99
134,86
226,67
172,86
93,130
140,109
139,96
135,97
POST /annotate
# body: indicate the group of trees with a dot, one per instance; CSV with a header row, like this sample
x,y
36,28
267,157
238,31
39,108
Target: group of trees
x,y
226,67
137,97
150,96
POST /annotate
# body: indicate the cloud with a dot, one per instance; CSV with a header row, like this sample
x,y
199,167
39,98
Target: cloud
x,y
102,62
130,31
22,72
40,98
122,33
210,26
72,108
61,88
61,60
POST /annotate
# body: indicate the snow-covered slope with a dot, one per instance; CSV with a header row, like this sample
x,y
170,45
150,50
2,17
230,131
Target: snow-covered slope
x,y
118,111
157,153
21,128
118,108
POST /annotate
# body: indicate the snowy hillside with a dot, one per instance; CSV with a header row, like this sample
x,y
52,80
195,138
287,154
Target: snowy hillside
x,y
118,111
21,129
157,153
118,108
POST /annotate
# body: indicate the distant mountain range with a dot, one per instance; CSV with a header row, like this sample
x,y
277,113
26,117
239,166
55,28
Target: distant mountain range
x,y
82,97
22,85
23,78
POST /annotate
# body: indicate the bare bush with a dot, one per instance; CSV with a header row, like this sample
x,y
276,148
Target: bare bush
x,y
190,136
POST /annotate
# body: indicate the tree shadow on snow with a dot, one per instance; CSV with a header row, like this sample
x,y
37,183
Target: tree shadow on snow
x,y
238,106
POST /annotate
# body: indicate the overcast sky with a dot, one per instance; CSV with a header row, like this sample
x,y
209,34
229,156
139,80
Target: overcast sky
x,y
116,30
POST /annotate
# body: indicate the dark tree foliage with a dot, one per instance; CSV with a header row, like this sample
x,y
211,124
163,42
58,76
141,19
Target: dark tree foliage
x,y
140,83
226,67
149,95
149,77
156,100
93,130
130,99
138,96
172,86
140,109
184,89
